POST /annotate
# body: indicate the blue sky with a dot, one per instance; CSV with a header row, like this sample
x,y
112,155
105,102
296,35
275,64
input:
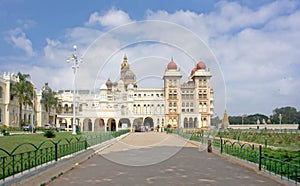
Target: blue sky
x,y
255,43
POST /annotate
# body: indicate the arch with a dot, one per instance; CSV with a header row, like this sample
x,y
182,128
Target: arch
x,y
63,123
191,122
195,122
138,124
124,123
148,123
185,123
111,124
99,125
87,124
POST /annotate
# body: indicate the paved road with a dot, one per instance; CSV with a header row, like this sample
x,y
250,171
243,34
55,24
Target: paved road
x,y
159,159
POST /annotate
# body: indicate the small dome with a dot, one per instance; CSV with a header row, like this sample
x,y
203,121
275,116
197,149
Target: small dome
x,y
172,65
108,83
201,65
103,87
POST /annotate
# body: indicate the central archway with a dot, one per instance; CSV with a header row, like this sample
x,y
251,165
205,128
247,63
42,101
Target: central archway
x,y
124,123
148,123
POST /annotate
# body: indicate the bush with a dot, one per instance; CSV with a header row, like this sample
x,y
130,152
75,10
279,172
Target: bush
x,y
49,134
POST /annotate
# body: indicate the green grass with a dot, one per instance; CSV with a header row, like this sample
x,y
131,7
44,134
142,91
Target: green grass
x,y
11,142
288,141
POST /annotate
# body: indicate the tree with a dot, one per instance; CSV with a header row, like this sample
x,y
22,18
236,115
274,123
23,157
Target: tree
x,y
289,115
49,99
24,91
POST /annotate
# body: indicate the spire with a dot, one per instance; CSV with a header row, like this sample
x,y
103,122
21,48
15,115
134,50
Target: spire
x,y
225,121
125,63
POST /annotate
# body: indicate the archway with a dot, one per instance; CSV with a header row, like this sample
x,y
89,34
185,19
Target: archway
x,y
191,123
185,123
124,123
138,124
195,122
87,125
111,125
99,125
148,123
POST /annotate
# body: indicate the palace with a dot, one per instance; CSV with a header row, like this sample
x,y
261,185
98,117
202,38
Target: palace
x,y
123,104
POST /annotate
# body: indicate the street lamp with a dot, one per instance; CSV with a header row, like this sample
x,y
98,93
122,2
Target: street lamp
x,y
280,118
244,115
74,58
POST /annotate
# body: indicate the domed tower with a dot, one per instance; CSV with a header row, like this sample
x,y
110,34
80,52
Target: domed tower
x,y
172,91
204,93
127,75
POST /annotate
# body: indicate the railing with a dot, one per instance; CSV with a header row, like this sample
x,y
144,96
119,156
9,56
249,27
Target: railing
x,y
19,160
254,153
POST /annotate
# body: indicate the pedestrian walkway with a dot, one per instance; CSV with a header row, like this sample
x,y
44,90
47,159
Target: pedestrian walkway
x,y
158,159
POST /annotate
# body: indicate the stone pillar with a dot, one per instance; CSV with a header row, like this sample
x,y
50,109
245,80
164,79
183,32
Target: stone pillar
x,y
117,124
105,120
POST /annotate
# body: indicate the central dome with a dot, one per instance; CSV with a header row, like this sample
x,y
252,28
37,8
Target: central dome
x,y
172,65
201,65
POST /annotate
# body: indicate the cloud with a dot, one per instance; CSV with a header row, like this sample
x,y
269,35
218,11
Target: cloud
x,y
18,39
257,49
112,18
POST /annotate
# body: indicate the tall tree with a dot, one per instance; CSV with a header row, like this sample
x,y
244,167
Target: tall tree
x,y
289,115
24,91
49,100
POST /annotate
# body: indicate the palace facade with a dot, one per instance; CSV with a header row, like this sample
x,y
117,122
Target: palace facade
x,y
122,104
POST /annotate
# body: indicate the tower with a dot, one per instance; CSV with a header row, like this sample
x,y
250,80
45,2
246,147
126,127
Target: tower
x,y
204,93
172,93
127,75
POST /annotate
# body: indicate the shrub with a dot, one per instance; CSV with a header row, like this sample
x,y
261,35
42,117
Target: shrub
x,y
49,134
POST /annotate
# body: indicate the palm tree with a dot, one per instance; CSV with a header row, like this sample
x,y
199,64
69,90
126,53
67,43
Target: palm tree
x,y
49,100
24,91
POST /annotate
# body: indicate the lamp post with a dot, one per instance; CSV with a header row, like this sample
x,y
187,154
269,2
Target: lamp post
x,y
280,117
74,58
244,115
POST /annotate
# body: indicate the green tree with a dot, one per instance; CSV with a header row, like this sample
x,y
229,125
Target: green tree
x,y
49,100
24,91
289,115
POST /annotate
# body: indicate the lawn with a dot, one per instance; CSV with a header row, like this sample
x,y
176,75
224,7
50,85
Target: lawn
x,y
10,142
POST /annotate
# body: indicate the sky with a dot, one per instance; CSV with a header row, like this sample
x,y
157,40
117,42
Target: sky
x,y
250,47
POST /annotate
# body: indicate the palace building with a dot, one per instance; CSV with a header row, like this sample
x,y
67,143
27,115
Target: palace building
x,y
123,104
